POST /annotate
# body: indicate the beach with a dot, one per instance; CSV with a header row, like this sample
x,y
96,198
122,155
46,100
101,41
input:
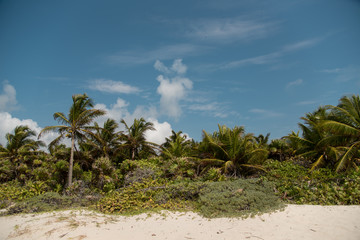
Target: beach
x,y
294,222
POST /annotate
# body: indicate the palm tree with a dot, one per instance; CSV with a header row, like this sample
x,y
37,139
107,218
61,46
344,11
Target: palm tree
x,y
105,140
19,145
232,149
177,145
279,149
344,125
134,138
76,125
262,140
314,142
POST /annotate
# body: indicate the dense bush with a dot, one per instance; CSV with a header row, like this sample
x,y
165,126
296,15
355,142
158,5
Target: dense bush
x,y
238,198
296,184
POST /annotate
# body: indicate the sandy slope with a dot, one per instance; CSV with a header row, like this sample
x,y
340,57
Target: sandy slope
x,y
295,222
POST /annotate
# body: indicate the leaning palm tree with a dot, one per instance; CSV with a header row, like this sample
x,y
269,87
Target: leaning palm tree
x,y
76,125
344,125
134,137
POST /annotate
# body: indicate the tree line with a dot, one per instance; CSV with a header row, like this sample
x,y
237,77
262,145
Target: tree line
x,y
329,137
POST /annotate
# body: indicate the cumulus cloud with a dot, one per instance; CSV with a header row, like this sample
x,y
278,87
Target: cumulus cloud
x,y
8,97
162,131
172,89
178,67
8,124
119,111
110,86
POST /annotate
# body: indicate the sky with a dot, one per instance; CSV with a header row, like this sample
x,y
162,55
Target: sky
x,y
183,65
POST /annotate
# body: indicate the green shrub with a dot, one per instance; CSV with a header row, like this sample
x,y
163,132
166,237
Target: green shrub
x,y
181,191
214,174
296,184
140,196
45,202
179,168
17,192
6,170
238,198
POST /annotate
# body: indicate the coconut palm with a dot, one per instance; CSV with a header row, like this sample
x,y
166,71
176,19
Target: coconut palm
x,y
20,143
105,140
76,125
177,145
20,148
232,149
262,140
314,143
134,137
344,125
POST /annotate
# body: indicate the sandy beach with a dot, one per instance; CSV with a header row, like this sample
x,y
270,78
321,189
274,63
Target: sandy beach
x,y
294,222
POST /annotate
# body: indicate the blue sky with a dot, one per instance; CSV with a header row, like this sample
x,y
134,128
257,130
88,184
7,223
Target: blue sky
x,y
184,65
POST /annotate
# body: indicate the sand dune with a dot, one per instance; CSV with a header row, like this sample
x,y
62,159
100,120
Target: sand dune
x,y
295,222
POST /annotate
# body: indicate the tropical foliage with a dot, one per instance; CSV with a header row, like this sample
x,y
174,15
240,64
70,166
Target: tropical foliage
x,y
114,168
233,150
134,138
76,125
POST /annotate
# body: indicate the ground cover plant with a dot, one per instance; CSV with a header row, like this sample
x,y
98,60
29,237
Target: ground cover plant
x,y
239,198
296,184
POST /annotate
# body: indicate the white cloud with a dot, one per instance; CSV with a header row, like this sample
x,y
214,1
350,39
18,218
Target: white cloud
x,y
294,83
230,30
119,111
172,91
271,57
266,113
8,124
163,53
215,109
179,67
111,86
301,45
161,67
162,131
8,97
346,74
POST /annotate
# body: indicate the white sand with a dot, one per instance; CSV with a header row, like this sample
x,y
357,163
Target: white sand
x,y
295,222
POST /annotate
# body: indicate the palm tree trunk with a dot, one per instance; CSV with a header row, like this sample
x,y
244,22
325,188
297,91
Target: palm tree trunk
x,y
133,154
71,160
